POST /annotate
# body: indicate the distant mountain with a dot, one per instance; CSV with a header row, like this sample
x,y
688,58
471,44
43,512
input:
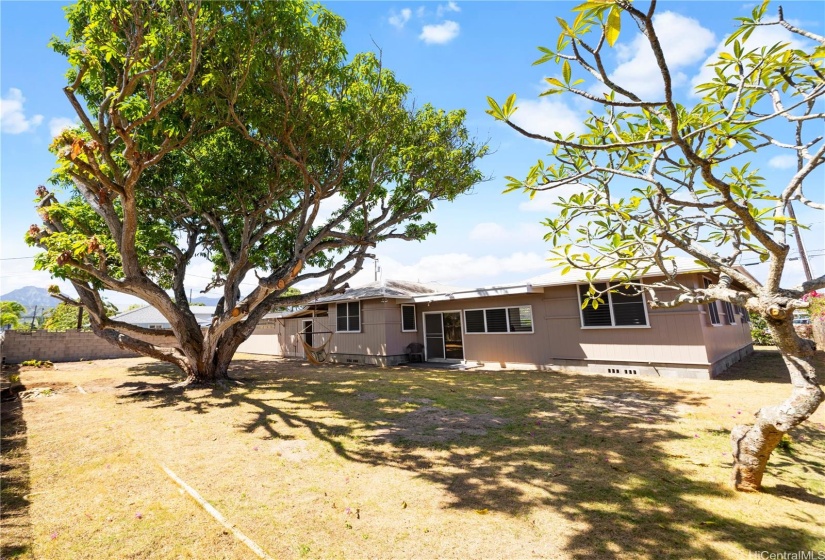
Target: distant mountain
x,y
31,296
206,300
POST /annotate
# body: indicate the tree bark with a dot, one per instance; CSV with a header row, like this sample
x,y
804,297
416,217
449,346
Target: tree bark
x,y
753,445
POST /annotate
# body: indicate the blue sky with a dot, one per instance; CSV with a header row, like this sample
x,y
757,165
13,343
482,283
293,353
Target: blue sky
x,y
453,55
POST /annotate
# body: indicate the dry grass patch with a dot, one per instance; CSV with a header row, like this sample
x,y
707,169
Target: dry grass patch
x,y
356,462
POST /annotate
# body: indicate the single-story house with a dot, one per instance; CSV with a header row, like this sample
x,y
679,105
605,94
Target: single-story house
x,y
537,324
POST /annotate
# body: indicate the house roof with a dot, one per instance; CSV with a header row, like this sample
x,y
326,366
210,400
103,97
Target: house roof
x,y
396,289
489,291
682,265
537,284
149,315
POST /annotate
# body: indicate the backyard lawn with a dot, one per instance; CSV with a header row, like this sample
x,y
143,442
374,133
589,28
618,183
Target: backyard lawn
x,y
363,462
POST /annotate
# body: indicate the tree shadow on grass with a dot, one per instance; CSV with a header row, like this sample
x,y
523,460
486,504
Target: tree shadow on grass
x,y
592,449
765,365
15,485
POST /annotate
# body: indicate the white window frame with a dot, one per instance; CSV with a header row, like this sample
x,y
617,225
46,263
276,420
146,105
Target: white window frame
x,y
360,317
507,316
705,283
415,318
610,307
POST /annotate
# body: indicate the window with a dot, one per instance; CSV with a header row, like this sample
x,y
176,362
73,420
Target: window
x,y
408,318
743,314
713,310
729,315
499,320
348,317
622,307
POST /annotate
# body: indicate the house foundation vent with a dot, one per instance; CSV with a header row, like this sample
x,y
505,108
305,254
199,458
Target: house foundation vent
x,y
622,371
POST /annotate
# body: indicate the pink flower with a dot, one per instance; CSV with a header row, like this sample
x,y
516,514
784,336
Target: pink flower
x,y
138,515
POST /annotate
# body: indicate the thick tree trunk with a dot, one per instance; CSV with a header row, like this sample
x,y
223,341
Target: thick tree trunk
x,y
212,365
753,445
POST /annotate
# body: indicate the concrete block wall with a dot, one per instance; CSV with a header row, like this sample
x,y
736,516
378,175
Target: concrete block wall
x,y
69,346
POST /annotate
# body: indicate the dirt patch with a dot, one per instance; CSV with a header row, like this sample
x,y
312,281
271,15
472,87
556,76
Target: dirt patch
x,y
295,450
429,424
636,405
39,390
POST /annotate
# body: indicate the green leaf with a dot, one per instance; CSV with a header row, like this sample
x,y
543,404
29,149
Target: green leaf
x,y
494,110
613,26
508,108
566,71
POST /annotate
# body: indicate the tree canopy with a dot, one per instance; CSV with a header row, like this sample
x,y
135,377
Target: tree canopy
x,y
64,317
659,178
10,313
241,132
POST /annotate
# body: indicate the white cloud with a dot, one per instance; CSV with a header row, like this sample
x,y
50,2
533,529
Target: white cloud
x,y
491,232
783,162
684,42
400,19
441,33
446,8
59,124
329,205
545,116
761,37
544,201
463,269
12,116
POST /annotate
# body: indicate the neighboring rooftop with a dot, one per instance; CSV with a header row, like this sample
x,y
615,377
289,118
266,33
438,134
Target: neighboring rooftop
x,y
149,315
386,289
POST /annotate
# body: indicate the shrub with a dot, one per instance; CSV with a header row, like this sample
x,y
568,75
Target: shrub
x,y
45,364
759,331
817,305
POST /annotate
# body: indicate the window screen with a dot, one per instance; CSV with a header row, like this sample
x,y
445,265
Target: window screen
x,y
729,315
600,316
622,307
407,317
713,309
496,320
348,317
520,318
499,320
628,307
474,320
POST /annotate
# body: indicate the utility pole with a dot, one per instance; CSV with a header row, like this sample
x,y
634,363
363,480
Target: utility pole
x,y
803,256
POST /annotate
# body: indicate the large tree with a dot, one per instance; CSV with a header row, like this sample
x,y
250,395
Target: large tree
x,y
658,178
241,132
10,314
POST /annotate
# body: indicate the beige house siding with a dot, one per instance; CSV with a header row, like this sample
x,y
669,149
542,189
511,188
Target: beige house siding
x,y
677,342
673,336
520,348
266,339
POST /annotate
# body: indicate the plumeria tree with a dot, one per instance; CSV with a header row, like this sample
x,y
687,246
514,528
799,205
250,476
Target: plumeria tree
x,y
243,133
658,178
